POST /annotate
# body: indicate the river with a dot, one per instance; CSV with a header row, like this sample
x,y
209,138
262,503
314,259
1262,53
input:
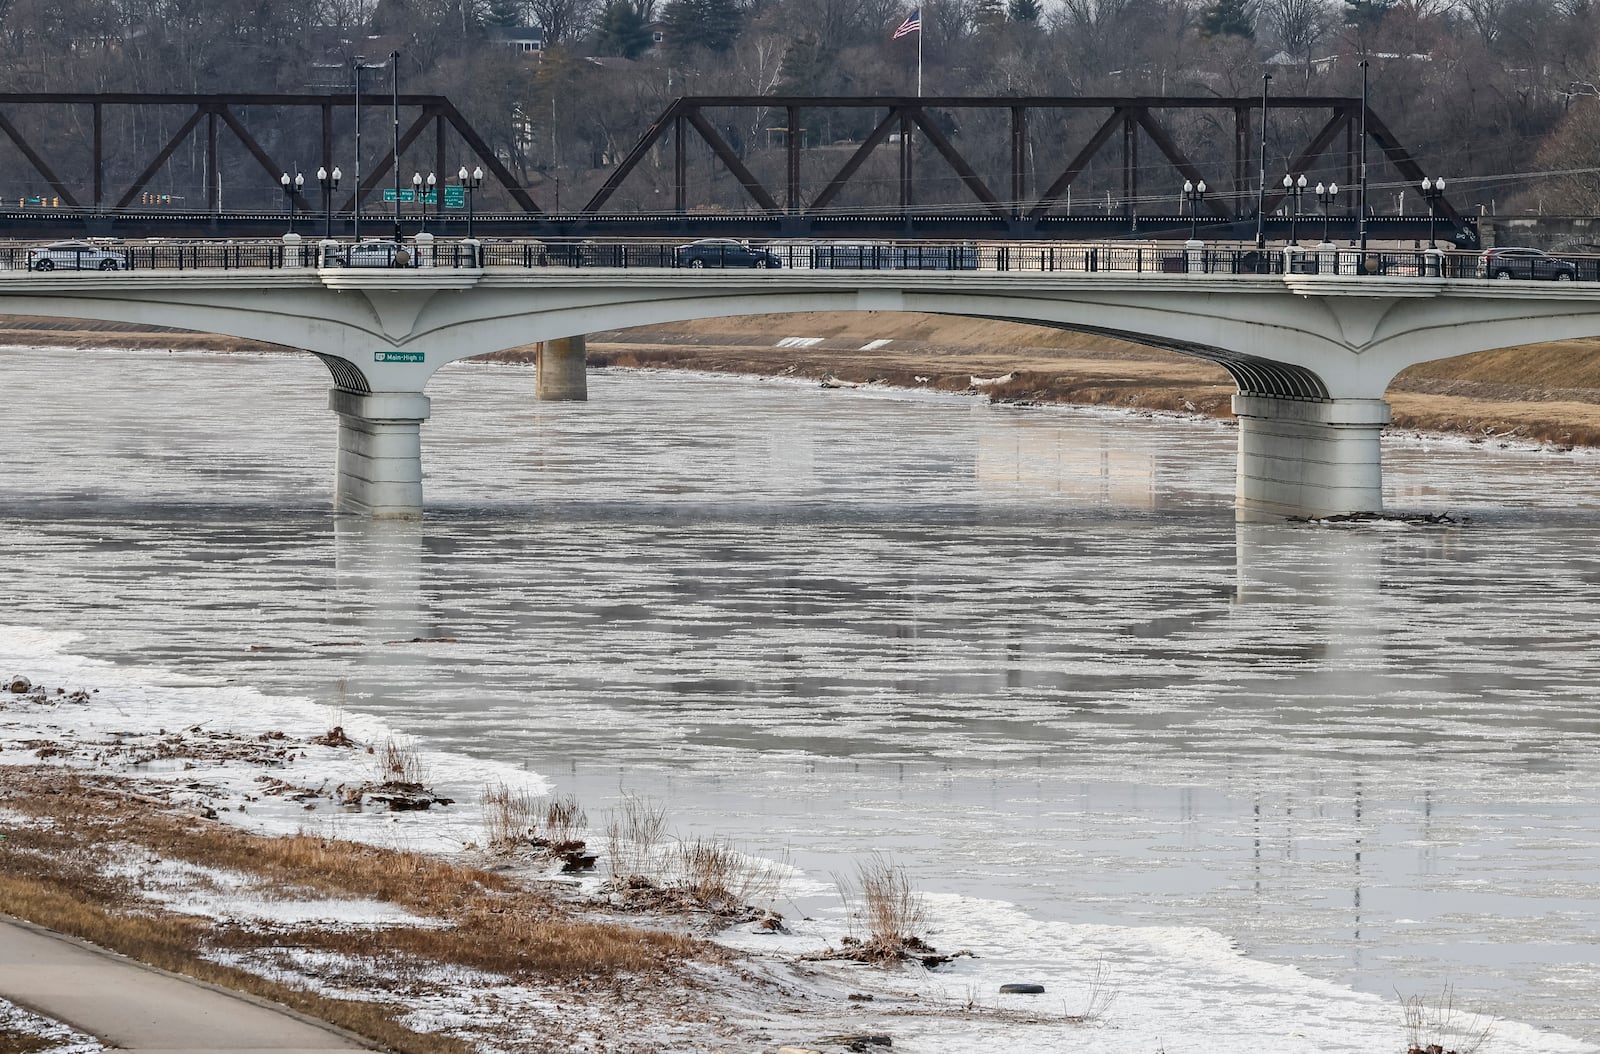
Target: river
x,y
1023,651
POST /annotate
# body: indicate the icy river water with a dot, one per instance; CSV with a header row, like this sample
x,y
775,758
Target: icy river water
x,y
1271,777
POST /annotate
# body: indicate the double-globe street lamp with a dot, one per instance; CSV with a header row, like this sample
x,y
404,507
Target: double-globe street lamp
x,y
330,183
291,190
421,198
1296,189
1325,197
1194,194
469,183
1432,191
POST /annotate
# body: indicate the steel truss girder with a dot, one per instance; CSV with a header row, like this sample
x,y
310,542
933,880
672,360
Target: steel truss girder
x,y
1131,114
435,108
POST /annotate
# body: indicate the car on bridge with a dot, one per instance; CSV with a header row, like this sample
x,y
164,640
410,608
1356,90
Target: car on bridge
x,y
1510,262
75,256
377,254
723,252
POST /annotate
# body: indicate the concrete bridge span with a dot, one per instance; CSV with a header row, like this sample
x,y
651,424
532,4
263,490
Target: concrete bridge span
x,y
1312,354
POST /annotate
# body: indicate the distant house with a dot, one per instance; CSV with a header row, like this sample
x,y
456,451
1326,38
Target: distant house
x,y
658,34
526,39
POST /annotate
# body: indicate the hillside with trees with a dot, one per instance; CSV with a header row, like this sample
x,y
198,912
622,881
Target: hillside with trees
x,y
1498,96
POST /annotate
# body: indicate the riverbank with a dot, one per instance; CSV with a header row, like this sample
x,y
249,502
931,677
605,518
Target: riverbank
x,y
442,918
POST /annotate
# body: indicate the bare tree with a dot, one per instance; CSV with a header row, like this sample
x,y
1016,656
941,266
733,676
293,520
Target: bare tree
x,y
1297,25
563,21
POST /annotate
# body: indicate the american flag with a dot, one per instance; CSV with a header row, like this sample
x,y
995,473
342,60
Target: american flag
x,y
912,24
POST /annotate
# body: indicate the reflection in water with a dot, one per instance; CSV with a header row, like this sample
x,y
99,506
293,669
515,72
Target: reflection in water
x,y
1027,651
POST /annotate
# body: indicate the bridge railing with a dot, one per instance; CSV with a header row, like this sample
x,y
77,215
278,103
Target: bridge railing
x,y
1151,258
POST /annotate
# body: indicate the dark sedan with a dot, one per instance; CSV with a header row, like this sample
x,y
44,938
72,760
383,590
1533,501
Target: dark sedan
x,y
1525,263
723,252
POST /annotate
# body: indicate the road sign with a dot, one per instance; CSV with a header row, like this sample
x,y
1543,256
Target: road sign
x,y
455,197
397,356
430,198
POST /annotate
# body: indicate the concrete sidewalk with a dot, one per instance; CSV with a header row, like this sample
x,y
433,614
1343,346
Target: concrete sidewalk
x,y
134,1007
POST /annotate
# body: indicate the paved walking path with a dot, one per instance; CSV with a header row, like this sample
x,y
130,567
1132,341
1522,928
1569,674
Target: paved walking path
x,y
140,1009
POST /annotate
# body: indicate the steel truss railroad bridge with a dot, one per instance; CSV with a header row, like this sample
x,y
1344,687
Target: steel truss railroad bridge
x,y
31,123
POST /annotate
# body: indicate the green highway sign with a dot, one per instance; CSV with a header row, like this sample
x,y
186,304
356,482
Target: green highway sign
x,y
454,197
397,356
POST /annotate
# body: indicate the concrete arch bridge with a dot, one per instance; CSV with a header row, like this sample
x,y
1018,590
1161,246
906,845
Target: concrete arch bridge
x,y
1312,354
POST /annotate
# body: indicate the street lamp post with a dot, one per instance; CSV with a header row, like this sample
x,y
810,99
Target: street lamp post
x,y
1261,188
1325,196
291,189
394,106
1294,189
330,183
416,196
469,183
1432,191
1362,203
1194,194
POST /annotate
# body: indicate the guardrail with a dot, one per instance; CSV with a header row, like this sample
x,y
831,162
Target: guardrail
x,y
1024,257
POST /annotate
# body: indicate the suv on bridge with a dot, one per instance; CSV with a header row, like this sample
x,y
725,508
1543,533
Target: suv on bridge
x,y
723,252
75,256
1507,263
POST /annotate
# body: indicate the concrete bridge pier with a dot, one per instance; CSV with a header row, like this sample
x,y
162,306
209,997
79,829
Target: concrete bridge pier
x,y
1304,457
379,470
561,370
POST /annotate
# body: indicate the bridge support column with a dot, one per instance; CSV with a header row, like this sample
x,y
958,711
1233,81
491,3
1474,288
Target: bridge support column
x,y
1303,458
561,370
379,469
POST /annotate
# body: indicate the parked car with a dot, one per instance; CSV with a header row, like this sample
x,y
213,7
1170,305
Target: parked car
x,y
75,256
377,254
1508,263
723,252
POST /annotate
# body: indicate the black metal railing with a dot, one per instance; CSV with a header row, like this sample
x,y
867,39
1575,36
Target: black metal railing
x,y
1151,258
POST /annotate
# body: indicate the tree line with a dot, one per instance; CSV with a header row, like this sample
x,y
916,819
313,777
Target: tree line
x,y
1500,97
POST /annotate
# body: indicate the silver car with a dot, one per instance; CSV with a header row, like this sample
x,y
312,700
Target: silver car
x,y
378,254
75,256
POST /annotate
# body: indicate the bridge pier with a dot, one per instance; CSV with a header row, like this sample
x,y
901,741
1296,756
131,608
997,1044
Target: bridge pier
x,y
561,365
379,470
1308,457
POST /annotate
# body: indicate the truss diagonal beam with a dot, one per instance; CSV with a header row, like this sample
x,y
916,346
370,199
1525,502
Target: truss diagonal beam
x,y
484,153
1403,161
39,164
1186,168
268,165
974,182
149,173
1308,157
725,154
386,162
640,149
1053,194
857,159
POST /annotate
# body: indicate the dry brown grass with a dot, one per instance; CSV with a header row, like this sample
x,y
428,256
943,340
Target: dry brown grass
x,y
17,1043
397,761
635,834
510,817
173,943
53,875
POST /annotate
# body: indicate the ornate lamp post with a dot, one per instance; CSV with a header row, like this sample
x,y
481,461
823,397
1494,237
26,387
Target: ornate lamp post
x,y
469,183
1295,189
416,196
330,183
1325,196
433,192
1194,194
1432,191
291,189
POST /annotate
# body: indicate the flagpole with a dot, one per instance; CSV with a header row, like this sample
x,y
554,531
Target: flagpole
x,y
919,58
